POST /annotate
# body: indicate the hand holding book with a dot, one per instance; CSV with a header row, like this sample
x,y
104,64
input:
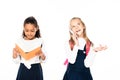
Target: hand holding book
x,y
29,55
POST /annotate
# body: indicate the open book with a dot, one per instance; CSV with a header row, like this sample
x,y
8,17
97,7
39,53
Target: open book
x,y
28,55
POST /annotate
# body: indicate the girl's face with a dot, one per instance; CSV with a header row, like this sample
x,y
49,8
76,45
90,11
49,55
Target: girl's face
x,y
30,31
77,27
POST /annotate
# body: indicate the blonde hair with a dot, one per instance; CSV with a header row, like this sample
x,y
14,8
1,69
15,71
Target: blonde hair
x,y
84,32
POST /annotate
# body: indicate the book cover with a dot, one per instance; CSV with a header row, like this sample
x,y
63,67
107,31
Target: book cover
x,y
28,55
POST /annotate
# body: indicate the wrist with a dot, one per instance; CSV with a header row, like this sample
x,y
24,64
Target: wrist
x,y
95,50
14,56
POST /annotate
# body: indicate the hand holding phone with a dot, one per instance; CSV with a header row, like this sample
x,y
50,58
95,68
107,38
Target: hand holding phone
x,y
74,36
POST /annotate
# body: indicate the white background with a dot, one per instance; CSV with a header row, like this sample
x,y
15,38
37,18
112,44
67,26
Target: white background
x,y
102,19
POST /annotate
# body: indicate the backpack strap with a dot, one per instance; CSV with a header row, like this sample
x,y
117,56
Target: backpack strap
x,y
87,47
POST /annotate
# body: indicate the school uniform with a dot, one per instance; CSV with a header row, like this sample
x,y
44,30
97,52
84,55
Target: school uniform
x,y
34,73
79,63
30,69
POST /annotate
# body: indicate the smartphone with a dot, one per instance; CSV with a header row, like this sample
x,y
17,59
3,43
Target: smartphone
x,y
71,32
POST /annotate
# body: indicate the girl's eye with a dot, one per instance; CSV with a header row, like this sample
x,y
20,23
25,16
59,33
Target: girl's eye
x,y
73,26
29,30
26,30
32,30
78,23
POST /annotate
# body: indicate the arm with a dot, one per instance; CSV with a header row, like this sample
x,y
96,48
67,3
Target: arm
x,y
14,53
92,53
15,56
42,53
90,58
71,54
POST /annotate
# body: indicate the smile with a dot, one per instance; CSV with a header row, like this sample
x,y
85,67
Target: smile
x,y
78,30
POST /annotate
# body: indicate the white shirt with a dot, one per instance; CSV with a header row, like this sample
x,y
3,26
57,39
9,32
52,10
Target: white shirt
x,y
27,46
72,54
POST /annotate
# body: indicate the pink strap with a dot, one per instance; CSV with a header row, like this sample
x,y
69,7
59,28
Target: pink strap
x,y
66,62
87,47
